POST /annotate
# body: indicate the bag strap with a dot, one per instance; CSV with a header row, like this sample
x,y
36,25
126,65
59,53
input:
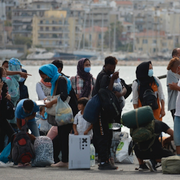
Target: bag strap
x,y
137,118
55,89
76,83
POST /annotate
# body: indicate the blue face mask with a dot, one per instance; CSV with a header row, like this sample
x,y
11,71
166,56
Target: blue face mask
x,y
87,69
150,72
47,80
3,79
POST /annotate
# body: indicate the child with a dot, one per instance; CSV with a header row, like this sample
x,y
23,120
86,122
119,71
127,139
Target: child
x,y
81,126
42,123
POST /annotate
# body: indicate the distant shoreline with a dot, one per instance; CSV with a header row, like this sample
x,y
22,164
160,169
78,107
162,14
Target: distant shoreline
x,y
93,62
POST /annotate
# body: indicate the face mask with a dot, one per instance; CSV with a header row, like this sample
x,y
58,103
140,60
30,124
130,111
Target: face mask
x,y
45,115
42,117
22,79
150,72
109,72
47,80
3,79
87,69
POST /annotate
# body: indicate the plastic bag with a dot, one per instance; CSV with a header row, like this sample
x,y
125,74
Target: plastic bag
x,y
5,153
64,114
122,152
43,147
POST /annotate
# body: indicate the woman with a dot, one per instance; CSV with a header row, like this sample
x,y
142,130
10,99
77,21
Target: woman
x,y
146,80
172,78
5,127
43,89
49,73
83,82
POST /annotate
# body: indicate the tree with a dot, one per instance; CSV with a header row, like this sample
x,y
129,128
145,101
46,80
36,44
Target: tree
x,y
23,41
109,39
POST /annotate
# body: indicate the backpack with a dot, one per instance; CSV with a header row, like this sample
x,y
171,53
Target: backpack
x,y
22,150
143,134
110,104
149,97
10,110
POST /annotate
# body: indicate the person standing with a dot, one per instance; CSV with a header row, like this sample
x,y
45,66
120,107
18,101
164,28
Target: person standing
x,y
146,81
83,82
103,134
172,78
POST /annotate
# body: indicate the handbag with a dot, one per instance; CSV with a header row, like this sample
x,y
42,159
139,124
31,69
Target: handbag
x,y
10,110
52,110
64,114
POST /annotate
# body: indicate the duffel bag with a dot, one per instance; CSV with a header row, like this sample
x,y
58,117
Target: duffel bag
x,y
137,117
92,109
171,165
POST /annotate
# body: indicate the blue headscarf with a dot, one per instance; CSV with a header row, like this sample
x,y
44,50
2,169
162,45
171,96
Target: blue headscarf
x,y
52,71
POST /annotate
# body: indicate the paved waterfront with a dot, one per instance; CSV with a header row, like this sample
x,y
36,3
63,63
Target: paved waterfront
x,y
125,171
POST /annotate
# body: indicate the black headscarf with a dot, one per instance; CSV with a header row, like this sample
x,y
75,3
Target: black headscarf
x,y
143,78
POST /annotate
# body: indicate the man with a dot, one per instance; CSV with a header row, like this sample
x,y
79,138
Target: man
x,y
59,65
171,78
102,133
5,64
26,110
156,151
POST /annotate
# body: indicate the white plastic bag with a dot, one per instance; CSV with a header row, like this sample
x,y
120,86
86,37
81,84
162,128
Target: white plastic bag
x,y
122,154
64,113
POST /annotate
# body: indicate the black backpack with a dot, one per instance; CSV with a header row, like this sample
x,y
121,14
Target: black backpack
x,y
149,98
110,104
22,150
10,110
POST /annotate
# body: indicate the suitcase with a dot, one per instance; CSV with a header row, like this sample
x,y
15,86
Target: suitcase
x,y
137,117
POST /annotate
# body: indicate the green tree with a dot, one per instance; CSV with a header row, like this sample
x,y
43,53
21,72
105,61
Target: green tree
x,y
109,35
23,41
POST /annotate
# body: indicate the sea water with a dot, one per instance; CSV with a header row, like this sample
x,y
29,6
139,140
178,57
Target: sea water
x,y
126,72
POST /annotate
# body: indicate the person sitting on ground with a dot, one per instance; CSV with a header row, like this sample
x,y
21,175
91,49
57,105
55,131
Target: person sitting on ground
x,y
83,82
42,123
26,109
155,152
81,126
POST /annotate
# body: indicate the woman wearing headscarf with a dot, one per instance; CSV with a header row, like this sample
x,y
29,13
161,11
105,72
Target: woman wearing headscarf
x,y
146,80
43,89
83,82
49,73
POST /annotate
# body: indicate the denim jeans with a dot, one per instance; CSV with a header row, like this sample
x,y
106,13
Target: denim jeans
x,y
33,127
176,130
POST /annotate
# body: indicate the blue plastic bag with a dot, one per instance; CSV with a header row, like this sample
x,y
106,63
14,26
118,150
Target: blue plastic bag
x,y
92,109
5,153
64,114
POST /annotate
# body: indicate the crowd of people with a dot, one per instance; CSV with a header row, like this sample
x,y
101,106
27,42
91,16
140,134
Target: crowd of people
x,y
81,88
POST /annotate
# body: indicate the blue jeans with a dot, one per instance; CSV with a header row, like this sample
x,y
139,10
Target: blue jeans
x,y
176,130
33,127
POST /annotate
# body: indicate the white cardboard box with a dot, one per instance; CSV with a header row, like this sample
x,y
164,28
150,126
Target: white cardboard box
x,y
79,151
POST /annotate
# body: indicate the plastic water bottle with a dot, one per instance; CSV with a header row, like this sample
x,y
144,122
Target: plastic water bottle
x,y
92,155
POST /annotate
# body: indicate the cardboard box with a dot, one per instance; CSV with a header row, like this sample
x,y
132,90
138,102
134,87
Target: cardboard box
x,y
79,151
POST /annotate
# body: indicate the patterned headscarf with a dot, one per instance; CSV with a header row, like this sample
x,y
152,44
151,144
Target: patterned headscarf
x,y
87,77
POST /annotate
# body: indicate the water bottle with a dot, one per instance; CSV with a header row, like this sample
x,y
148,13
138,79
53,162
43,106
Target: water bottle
x,y
92,155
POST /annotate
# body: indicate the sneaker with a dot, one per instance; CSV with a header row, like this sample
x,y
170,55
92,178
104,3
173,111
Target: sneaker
x,y
107,166
143,167
152,165
158,165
